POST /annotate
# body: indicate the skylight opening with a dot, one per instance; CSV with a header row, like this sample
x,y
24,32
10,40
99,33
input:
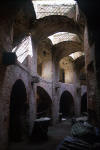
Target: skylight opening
x,y
58,2
52,7
61,36
23,49
76,54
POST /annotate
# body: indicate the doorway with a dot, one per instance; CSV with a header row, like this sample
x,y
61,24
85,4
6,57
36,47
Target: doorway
x,y
66,104
18,112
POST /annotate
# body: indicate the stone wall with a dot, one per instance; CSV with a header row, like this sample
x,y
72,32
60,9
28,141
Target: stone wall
x,y
8,77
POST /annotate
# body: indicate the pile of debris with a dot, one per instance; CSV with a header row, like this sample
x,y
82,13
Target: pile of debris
x,y
84,136
83,131
71,143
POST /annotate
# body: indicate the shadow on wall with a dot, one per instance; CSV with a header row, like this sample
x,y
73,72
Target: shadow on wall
x,y
44,103
66,104
18,128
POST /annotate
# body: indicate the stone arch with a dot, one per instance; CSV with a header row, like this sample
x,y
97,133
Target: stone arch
x,y
65,48
47,86
66,104
18,112
52,24
84,103
44,103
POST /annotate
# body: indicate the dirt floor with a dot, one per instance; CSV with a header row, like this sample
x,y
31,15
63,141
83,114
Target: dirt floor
x,y
55,136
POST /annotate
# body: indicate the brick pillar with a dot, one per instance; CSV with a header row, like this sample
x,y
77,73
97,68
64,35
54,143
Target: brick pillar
x,y
91,78
55,93
33,92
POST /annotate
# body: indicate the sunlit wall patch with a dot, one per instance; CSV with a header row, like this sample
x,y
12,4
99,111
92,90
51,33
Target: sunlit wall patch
x,y
23,49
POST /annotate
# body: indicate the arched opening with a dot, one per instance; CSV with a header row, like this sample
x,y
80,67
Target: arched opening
x,y
62,75
44,59
18,112
66,104
44,103
84,103
66,70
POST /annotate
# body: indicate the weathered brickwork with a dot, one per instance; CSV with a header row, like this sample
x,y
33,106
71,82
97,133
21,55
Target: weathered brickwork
x,y
8,77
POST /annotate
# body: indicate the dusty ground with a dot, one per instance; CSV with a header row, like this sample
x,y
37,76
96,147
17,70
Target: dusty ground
x,y
55,135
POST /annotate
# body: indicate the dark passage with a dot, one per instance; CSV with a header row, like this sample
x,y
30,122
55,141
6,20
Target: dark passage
x,y
66,104
84,103
44,103
42,122
18,111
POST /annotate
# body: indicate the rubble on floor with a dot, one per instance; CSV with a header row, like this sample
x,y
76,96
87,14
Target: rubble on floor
x,y
83,130
40,129
72,143
84,136
80,119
